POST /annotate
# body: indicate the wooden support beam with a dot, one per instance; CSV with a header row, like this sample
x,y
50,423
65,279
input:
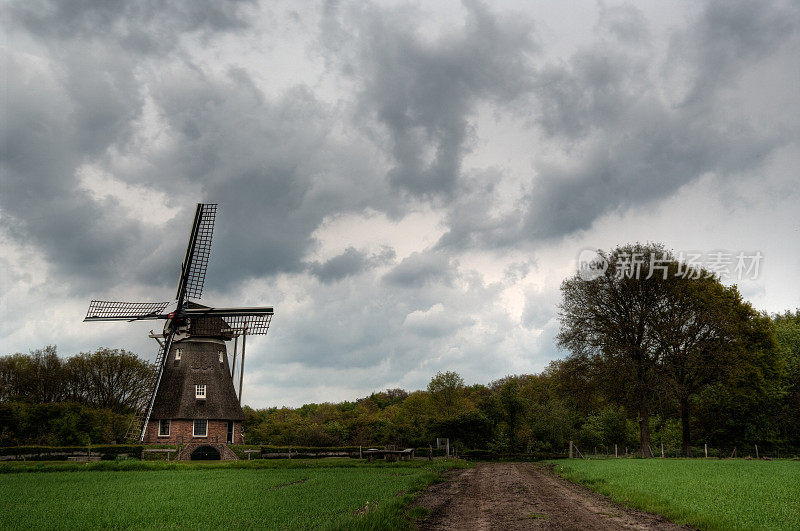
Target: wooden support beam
x,y
233,367
241,368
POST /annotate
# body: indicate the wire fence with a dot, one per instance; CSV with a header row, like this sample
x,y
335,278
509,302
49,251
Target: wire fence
x,y
744,451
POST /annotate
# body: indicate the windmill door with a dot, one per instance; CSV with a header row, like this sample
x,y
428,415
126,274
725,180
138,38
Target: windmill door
x,y
230,432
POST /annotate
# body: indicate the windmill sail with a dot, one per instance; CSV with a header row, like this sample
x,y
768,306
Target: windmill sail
x,y
193,269
230,322
125,311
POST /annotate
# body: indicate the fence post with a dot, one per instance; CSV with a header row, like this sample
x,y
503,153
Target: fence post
x,y
706,448
616,453
662,450
756,451
570,449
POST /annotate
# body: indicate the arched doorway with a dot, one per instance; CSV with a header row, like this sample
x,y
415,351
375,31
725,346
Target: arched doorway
x,y
205,453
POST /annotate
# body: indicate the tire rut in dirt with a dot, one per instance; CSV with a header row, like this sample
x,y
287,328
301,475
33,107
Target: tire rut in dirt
x,y
524,496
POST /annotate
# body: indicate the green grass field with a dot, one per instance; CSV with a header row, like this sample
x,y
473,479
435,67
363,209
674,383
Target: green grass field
x,y
708,494
258,494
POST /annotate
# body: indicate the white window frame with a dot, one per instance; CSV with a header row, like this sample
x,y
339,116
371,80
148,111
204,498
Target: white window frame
x,y
169,427
200,391
221,358
194,428
178,352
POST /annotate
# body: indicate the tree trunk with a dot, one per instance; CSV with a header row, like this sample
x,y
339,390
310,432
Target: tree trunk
x,y
644,429
685,429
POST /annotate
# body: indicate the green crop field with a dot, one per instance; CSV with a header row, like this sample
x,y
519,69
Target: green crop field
x,y
707,494
258,494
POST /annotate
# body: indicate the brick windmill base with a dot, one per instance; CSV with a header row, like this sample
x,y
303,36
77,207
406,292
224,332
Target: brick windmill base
x,y
196,404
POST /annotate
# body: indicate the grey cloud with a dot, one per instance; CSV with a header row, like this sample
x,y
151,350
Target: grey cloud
x,y
140,27
625,23
423,93
264,161
620,141
630,146
350,262
420,269
51,123
75,99
473,219
538,310
730,36
384,323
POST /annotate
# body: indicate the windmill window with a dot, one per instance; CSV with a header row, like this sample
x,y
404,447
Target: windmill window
x,y
200,391
178,352
200,428
163,428
219,353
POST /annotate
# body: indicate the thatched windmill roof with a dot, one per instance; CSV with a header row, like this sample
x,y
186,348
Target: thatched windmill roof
x,y
199,364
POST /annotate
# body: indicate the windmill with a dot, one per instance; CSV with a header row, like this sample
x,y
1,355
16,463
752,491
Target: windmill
x,y
191,398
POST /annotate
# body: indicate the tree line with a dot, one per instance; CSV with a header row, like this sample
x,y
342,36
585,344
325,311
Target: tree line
x,y
48,400
651,358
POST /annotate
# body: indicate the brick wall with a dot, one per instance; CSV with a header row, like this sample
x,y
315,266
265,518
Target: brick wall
x,y
181,432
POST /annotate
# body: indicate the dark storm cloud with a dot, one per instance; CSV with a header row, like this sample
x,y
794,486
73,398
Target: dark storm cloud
x,y
51,123
141,27
268,163
71,99
633,145
423,90
621,138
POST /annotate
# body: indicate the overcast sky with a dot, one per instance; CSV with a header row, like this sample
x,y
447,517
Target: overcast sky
x,y
407,183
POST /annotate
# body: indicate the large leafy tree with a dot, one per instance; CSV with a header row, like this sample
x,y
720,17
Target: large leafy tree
x,y
705,332
650,323
606,321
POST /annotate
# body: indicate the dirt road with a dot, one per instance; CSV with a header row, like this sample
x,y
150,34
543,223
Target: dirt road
x,y
524,496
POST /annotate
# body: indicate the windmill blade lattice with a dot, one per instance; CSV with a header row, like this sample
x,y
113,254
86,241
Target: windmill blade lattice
x,y
230,322
234,325
197,255
124,311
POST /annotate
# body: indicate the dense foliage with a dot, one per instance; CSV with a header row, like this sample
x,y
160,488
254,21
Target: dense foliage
x,y
657,329
47,400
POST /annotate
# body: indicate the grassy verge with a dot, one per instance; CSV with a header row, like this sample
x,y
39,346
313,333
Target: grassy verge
x,y
293,494
707,494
